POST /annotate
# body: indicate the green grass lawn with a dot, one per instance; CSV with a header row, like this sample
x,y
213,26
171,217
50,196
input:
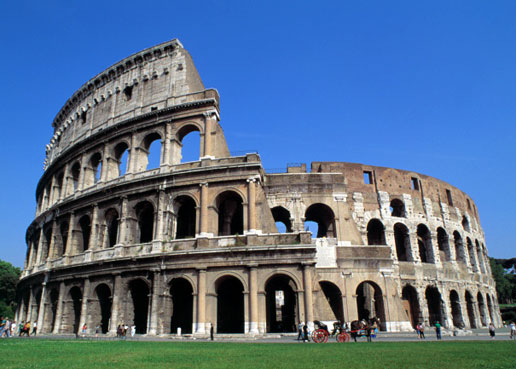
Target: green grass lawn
x,y
28,353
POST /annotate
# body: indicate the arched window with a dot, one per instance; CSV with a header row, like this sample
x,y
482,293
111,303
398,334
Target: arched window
x,y
85,225
96,167
325,219
443,244
184,207
465,223
76,172
459,247
375,232
145,215
122,159
112,223
190,139
402,240
282,219
63,232
152,147
480,257
231,213
424,241
397,208
471,253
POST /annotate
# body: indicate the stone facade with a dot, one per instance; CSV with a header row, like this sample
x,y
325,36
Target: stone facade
x,y
193,245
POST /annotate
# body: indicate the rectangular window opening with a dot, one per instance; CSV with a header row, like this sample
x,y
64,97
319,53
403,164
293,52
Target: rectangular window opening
x,y
415,183
368,177
448,195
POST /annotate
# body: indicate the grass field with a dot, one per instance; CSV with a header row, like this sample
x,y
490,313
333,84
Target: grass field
x,y
27,353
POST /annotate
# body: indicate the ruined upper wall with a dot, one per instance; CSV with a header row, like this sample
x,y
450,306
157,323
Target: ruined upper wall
x,y
152,79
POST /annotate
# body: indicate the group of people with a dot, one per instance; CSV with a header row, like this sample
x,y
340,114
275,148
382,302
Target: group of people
x,y
122,329
8,328
303,332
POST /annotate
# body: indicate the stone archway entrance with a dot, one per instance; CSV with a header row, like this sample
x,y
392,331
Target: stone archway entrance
x,y
434,303
458,321
482,309
72,311
411,304
103,315
281,304
370,302
470,306
181,293
230,305
139,296
334,309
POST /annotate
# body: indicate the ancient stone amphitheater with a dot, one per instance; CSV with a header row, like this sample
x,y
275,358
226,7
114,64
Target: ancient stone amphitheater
x,y
219,242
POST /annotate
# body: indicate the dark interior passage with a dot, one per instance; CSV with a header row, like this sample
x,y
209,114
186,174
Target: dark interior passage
x,y
182,305
281,304
139,293
230,306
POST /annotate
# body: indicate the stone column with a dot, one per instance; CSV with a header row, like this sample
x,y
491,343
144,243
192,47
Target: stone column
x,y
52,246
253,299
40,246
208,150
64,185
204,210
69,237
41,310
251,205
166,144
155,303
84,305
115,307
201,302
82,175
309,307
133,157
160,215
59,310
92,242
105,164
122,237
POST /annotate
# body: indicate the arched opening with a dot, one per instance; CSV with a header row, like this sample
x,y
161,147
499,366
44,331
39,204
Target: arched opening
x,y
375,232
411,305
282,219
333,310
370,302
465,223
443,244
397,208
482,309
72,311
63,232
122,158
230,305
185,217
139,295
402,241
490,308
190,139
181,293
231,213
424,241
459,248
435,305
96,167
103,315
145,215
281,299
76,173
54,298
470,307
456,310
479,257
85,225
325,219
112,224
152,147
59,187
471,253
47,233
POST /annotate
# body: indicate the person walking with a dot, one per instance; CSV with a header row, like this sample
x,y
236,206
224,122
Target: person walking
x,y
305,333
492,330
421,331
438,330
35,328
300,331
512,328
133,330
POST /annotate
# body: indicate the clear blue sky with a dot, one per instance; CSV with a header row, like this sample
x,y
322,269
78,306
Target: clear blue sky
x,y
428,86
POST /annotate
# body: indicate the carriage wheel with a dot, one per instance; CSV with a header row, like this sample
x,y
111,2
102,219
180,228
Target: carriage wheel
x,y
343,337
320,336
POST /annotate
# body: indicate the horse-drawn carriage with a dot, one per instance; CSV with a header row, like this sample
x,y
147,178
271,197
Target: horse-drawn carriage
x,y
358,328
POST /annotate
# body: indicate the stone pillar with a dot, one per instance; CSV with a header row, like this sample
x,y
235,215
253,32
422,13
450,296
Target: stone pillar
x,y
122,237
69,237
309,307
115,307
64,186
84,305
52,246
41,310
59,310
133,157
82,175
167,144
160,215
105,164
155,302
201,302
253,299
208,147
251,205
204,210
92,242
40,246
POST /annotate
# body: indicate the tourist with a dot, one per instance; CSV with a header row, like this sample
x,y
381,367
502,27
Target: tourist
x,y
35,328
20,328
417,331
211,332
421,331
300,331
26,328
13,328
305,333
133,330
512,327
492,330
438,330
84,329
119,331
97,330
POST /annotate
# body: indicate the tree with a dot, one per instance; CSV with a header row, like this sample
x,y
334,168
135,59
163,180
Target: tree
x,y
505,279
9,275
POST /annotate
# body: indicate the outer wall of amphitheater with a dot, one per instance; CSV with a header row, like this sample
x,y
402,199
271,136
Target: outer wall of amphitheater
x,y
217,242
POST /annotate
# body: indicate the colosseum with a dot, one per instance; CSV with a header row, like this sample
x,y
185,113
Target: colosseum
x,y
220,243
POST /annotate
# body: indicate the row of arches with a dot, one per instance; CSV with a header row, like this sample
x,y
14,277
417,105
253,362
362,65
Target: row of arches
x,y
319,219
476,252
479,313
119,158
